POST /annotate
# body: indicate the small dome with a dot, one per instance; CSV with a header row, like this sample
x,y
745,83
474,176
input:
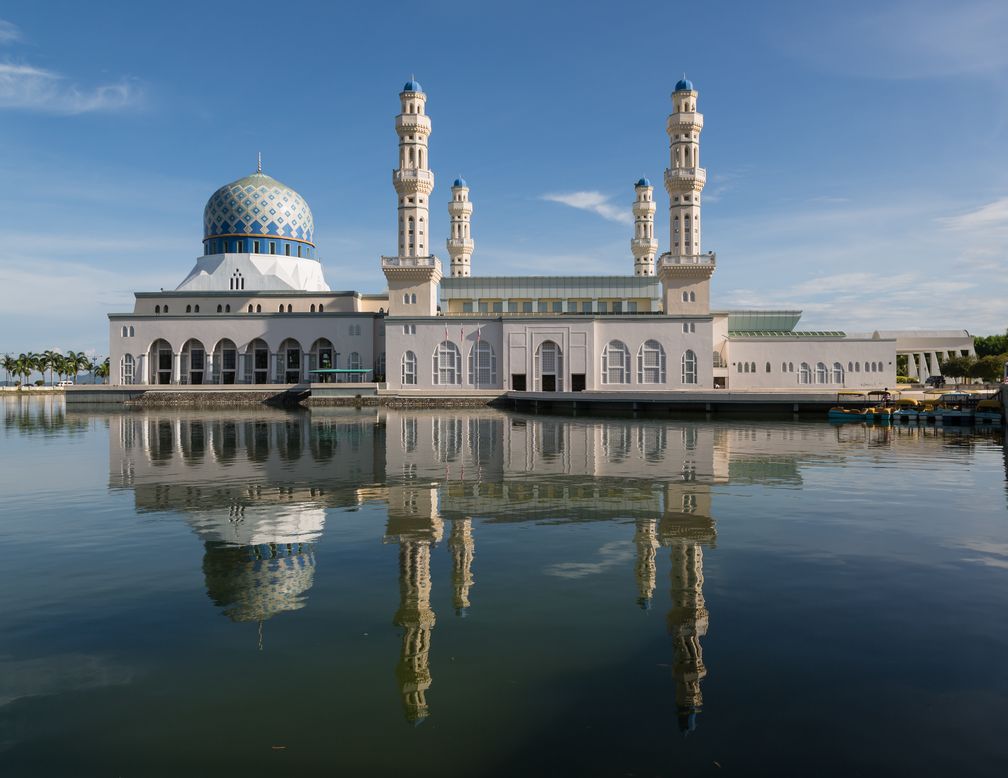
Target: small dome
x,y
258,205
460,182
643,182
684,85
412,86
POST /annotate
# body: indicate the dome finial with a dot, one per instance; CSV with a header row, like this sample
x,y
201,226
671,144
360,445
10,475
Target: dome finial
x,y
259,163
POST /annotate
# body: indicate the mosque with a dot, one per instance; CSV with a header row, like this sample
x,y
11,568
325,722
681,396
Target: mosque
x,y
256,308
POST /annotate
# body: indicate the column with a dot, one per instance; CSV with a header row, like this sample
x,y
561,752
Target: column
x,y
272,377
176,368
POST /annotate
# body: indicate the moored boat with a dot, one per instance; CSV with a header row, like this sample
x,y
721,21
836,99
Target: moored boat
x,y
988,411
906,409
850,407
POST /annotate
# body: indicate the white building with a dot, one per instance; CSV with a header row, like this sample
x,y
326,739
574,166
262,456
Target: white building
x,y
256,308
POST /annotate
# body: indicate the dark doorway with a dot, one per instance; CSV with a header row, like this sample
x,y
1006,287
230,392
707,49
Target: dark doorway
x,y
518,382
577,382
549,382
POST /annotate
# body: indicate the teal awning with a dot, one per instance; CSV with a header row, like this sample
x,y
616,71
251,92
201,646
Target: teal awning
x,y
341,370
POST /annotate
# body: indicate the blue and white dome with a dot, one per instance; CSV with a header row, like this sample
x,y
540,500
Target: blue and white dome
x,y
684,85
241,213
412,86
460,182
643,182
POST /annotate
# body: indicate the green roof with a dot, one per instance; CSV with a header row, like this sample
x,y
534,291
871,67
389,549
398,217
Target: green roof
x,y
786,334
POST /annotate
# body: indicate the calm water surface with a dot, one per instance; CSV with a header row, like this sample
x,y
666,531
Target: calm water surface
x,y
479,593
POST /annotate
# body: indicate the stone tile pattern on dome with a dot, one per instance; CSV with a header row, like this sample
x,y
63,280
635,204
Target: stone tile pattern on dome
x,y
258,205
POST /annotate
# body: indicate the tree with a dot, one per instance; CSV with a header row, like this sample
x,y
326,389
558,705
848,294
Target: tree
x,y
9,363
48,358
989,368
957,367
82,364
991,345
103,370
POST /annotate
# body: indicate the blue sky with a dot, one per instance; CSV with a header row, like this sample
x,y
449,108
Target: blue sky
x,y
856,151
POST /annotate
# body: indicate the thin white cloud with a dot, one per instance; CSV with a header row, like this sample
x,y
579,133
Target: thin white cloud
x,y
594,202
612,554
9,32
993,214
30,88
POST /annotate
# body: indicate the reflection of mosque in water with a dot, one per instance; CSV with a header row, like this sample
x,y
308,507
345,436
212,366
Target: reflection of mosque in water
x,y
256,490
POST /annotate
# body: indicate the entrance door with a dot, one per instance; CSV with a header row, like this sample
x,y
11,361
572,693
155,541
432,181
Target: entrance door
x,y
164,365
549,367
292,375
196,363
260,364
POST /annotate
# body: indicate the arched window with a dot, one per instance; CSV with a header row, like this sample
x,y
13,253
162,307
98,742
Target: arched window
x,y
692,297
837,373
196,309
616,363
354,360
447,364
768,367
783,367
409,369
739,366
220,309
651,363
227,308
752,367
850,367
413,299
188,309
689,367
320,308
482,364
745,367
258,308
166,309
821,373
790,367
289,308
685,297
124,331
157,309
127,369
250,308
311,309
131,331
805,373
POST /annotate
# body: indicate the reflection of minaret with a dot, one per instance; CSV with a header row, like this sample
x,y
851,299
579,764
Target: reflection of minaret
x,y
416,618
688,618
646,541
461,544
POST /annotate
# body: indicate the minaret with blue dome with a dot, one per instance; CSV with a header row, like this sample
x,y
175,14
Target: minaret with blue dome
x,y
413,179
684,178
460,243
644,245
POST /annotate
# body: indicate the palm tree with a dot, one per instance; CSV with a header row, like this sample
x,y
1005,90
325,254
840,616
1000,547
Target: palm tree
x,y
83,363
103,370
50,358
9,364
23,367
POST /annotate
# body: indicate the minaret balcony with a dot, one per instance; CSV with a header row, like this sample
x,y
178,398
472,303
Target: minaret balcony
x,y
685,177
461,245
410,262
413,180
407,123
677,262
641,246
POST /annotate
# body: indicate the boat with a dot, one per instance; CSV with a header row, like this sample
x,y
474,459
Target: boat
x,y
880,404
850,407
988,411
955,408
906,409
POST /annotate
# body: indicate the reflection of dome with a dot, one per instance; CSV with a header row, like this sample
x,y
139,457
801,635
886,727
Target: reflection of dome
x,y
258,206
253,583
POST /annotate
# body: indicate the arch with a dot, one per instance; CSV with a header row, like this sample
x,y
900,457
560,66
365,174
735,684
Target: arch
x,y
220,308
790,367
752,367
804,373
409,369
280,309
822,374
157,309
196,309
413,299
311,308
126,369
482,364
692,297
850,367
447,364
258,308
227,308
651,363
132,332
857,367
783,367
549,372
615,363
768,367
224,367
257,362
320,308
838,373
192,362
290,362
354,363
322,356
405,299
290,308
161,359
738,367
250,308
745,367
685,297
689,367
188,309
125,330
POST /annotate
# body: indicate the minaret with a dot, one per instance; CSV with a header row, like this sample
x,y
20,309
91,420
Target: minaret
x,y
460,542
413,180
416,617
687,623
460,244
414,273
646,541
684,179
684,272
644,245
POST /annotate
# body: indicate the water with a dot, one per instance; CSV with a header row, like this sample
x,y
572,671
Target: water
x,y
479,593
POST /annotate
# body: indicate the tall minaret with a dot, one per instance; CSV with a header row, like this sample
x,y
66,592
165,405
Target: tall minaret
x,y
644,246
684,179
413,180
460,244
416,617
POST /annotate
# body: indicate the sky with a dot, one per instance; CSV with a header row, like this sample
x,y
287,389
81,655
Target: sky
x,y
857,152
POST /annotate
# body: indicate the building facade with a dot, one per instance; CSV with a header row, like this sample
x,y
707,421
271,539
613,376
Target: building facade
x,y
256,309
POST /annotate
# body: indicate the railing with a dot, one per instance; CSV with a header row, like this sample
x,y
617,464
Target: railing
x,y
413,174
674,260
686,174
430,261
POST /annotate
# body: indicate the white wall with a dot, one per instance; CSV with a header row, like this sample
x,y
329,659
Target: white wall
x,y
853,355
